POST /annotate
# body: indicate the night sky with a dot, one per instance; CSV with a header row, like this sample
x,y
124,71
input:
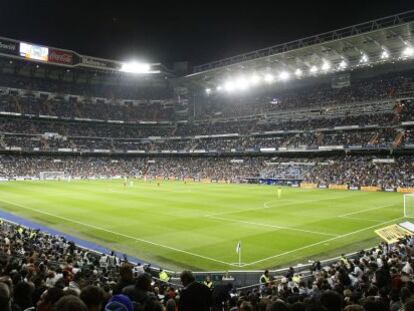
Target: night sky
x,y
168,31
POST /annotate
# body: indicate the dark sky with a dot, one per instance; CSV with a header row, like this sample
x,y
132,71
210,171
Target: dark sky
x,y
167,31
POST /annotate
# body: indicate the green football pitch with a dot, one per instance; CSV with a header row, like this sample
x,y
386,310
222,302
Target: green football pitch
x,y
197,226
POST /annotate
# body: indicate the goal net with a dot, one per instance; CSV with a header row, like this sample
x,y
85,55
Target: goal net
x,y
409,205
52,175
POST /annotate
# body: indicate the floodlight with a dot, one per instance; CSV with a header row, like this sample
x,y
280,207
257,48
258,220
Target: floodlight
x,y
408,51
384,54
313,69
343,64
298,72
241,83
208,91
325,66
135,67
219,88
284,76
269,78
254,79
364,58
229,86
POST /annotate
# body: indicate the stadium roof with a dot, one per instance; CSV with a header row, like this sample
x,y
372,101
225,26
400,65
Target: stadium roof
x,y
381,40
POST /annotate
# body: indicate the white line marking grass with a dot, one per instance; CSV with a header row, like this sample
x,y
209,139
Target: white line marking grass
x,y
270,226
366,210
321,242
117,233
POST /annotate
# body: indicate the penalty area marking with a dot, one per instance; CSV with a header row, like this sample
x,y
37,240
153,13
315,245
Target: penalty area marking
x,y
365,210
118,234
321,242
271,226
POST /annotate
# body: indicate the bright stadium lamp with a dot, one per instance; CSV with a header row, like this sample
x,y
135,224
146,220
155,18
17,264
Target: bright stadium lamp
x,y
313,69
219,88
364,58
384,54
298,72
408,52
241,83
229,86
269,78
284,76
254,79
208,91
136,67
325,66
343,64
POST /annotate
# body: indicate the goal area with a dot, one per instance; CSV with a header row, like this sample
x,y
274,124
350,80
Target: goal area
x,y
409,205
51,175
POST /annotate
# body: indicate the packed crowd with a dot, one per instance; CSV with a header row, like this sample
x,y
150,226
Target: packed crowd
x,y
386,173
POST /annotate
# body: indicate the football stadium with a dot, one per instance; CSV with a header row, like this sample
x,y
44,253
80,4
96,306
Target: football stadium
x,y
278,179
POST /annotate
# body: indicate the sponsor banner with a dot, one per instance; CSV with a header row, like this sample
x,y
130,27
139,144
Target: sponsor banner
x,y
98,62
338,187
60,57
295,185
322,186
370,189
405,190
393,233
353,188
9,47
307,185
389,189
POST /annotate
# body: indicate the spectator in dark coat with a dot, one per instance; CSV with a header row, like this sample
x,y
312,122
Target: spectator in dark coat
x,y
194,296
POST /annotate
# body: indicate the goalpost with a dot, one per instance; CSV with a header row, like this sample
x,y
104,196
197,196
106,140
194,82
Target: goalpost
x,y
409,205
52,175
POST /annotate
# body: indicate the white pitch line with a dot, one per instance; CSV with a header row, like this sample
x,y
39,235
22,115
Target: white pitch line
x,y
271,226
366,210
117,233
320,242
361,219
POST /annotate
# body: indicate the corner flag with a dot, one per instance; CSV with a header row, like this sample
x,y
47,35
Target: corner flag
x,y
238,247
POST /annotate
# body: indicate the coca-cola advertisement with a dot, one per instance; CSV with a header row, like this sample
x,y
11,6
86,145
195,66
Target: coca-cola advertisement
x,y
60,57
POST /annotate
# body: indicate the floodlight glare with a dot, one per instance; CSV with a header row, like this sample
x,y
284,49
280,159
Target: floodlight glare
x,y
313,69
241,84
343,64
385,54
269,78
325,66
219,88
135,67
284,76
364,58
208,91
229,86
254,79
298,72
408,51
